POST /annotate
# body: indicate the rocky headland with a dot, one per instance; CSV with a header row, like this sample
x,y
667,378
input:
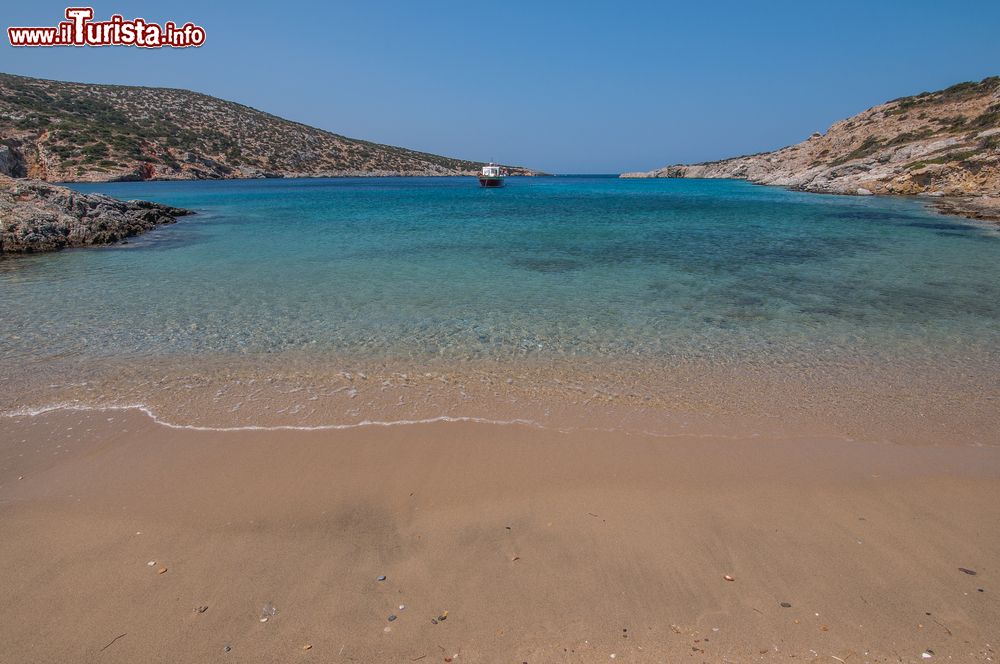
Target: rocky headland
x,y
944,144
77,132
37,217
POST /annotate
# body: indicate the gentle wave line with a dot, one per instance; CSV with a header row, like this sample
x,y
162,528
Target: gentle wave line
x,y
42,410
148,411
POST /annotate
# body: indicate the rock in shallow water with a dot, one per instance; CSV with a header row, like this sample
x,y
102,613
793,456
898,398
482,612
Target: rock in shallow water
x,y
36,216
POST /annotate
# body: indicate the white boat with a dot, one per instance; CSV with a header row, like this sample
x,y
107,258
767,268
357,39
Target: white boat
x,y
492,175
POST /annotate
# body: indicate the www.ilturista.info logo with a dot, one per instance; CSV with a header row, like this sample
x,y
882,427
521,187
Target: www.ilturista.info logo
x,y
81,30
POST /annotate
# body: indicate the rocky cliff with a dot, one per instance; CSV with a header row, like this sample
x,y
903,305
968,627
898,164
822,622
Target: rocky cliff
x,y
944,143
75,132
37,216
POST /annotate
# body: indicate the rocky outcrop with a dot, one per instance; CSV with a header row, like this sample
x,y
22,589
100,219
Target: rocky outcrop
x,y
77,132
37,216
945,143
985,208
12,160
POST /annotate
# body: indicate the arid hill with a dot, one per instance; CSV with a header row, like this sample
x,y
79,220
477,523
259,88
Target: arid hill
x,y
76,132
944,143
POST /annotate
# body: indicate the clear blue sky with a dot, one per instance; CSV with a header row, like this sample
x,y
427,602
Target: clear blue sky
x,y
582,86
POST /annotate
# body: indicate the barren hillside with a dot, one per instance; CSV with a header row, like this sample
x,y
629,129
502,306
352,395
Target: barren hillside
x,y
76,132
944,143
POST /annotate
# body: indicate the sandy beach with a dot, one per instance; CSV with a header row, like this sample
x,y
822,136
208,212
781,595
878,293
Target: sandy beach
x,y
126,540
508,436
394,333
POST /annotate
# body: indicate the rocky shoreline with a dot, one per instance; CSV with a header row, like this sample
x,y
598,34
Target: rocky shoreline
x,y
983,208
38,217
944,144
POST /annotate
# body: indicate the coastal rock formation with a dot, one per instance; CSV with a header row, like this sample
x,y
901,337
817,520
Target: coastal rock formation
x,y
944,143
37,216
76,132
985,208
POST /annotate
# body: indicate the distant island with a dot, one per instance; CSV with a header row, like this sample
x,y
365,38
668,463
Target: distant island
x,y
941,144
77,132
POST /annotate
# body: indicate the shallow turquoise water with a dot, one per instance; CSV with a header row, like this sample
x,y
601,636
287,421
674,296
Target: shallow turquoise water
x,y
547,267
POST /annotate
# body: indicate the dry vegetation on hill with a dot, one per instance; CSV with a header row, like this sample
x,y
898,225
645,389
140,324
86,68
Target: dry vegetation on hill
x,y
56,131
944,143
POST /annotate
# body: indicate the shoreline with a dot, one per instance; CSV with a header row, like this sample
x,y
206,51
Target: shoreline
x,y
299,176
849,398
980,208
40,217
540,545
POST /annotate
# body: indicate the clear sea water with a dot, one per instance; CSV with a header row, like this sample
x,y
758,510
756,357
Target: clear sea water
x,y
649,271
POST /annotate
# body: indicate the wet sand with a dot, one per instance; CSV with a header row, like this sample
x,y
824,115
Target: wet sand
x,y
542,546
860,397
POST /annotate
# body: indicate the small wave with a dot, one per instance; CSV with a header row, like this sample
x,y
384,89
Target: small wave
x,y
42,410
152,415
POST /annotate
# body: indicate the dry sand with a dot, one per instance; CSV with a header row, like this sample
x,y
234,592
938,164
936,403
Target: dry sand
x,y
542,546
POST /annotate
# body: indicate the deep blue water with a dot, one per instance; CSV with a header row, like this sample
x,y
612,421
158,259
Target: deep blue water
x,y
545,267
